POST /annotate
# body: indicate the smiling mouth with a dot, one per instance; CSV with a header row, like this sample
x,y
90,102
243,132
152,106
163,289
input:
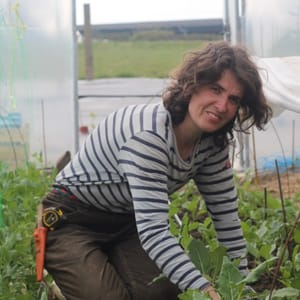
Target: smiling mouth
x,y
214,116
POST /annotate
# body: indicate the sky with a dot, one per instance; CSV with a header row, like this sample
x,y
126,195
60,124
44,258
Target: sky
x,y
126,11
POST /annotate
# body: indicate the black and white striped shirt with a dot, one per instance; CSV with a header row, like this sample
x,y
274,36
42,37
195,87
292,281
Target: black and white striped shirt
x,y
130,162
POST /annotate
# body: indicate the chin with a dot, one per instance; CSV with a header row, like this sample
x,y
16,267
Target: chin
x,y
211,130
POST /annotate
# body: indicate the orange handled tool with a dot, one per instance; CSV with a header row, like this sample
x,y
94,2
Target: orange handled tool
x,y
40,235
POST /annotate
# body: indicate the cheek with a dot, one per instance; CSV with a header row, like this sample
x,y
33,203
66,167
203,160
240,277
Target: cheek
x,y
232,112
192,106
194,110
195,103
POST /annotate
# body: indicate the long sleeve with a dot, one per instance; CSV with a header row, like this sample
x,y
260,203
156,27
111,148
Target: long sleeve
x,y
216,184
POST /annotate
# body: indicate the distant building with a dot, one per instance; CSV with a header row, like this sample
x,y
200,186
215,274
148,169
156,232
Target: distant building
x,y
209,28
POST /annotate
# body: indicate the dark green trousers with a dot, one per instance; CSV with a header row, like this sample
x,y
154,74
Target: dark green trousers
x,y
95,255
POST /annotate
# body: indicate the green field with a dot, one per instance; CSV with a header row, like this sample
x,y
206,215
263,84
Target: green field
x,y
152,59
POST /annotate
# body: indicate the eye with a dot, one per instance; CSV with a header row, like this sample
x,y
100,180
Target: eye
x,y
216,89
235,100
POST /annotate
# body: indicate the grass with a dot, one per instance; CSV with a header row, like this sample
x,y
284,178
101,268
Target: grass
x,y
152,59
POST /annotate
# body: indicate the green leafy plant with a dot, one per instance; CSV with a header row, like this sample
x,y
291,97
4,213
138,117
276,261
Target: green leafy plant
x,y
274,272
21,190
273,241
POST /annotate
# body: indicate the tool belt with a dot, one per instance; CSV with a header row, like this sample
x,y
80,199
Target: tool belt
x,y
53,217
48,218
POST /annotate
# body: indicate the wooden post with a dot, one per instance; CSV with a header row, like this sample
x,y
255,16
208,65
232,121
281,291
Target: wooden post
x,y
88,43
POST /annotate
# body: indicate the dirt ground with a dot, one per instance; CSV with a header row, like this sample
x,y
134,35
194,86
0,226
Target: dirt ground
x,y
289,182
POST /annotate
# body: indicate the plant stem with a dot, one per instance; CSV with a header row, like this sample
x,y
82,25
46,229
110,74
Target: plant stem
x,y
281,196
282,254
265,203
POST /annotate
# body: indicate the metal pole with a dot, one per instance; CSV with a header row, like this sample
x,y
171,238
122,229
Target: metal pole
x,y
242,22
237,22
88,43
226,21
75,82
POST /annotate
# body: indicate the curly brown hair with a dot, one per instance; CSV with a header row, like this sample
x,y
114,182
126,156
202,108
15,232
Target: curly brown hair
x,y
206,66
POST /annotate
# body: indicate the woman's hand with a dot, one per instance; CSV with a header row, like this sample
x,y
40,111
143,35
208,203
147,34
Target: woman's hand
x,y
212,293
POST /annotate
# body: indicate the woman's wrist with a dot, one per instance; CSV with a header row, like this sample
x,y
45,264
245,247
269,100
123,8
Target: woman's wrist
x,y
206,285
210,290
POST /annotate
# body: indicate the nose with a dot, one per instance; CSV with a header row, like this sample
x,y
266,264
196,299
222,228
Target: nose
x,y
222,104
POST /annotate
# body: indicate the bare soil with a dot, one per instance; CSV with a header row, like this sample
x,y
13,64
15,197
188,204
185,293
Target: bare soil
x,y
286,184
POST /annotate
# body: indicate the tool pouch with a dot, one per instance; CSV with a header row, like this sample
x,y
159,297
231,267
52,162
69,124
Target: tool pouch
x,y
52,217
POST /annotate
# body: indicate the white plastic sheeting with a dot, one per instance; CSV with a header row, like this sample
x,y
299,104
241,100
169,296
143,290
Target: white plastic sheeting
x,y
271,28
281,82
37,80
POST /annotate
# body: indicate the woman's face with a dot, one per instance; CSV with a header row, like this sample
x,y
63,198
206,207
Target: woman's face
x,y
214,105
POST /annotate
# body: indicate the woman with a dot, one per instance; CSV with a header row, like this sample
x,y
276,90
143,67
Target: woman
x,y
113,237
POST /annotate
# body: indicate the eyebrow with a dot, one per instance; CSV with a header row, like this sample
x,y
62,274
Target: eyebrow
x,y
233,97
